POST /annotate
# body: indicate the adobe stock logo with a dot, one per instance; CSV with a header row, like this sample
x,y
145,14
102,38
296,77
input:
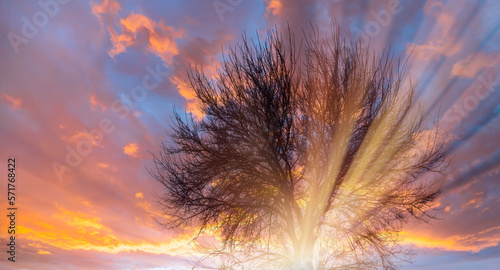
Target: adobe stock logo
x,y
380,19
482,88
40,19
222,7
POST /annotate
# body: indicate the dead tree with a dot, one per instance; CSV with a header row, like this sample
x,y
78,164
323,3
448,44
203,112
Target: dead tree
x,y
303,164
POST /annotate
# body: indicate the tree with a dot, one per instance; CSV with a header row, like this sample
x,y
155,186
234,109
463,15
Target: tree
x,y
301,162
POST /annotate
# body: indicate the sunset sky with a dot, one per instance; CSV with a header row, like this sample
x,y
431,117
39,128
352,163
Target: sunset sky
x,y
88,89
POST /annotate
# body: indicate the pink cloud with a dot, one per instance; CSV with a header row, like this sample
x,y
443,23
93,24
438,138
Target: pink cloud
x,y
95,101
474,63
441,40
14,103
105,7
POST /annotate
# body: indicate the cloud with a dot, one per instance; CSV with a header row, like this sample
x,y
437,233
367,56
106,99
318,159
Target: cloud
x,y
72,230
472,203
103,165
474,63
274,7
136,30
160,37
468,223
190,95
130,149
437,48
101,215
441,40
94,100
196,52
471,243
14,103
105,7
477,170
298,15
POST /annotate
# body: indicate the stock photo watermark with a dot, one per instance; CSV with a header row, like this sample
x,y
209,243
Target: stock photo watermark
x,y
84,147
381,19
482,88
31,26
223,6
11,209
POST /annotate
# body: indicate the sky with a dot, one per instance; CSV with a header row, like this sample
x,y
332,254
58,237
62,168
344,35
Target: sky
x,y
88,89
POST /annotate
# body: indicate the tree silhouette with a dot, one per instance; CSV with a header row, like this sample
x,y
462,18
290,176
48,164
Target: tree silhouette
x,y
311,162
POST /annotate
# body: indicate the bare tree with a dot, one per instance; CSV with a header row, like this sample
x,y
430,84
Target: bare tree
x,y
310,164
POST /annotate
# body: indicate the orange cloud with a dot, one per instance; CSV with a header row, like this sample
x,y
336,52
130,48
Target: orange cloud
x,y
96,102
470,66
274,7
35,245
471,243
80,136
79,220
15,103
427,242
139,195
130,149
160,37
77,231
475,202
189,94
120,42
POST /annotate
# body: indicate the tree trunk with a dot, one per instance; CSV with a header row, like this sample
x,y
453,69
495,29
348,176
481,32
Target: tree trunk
x,y
303,253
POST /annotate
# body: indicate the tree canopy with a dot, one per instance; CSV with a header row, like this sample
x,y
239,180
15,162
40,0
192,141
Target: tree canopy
x,y
308,157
